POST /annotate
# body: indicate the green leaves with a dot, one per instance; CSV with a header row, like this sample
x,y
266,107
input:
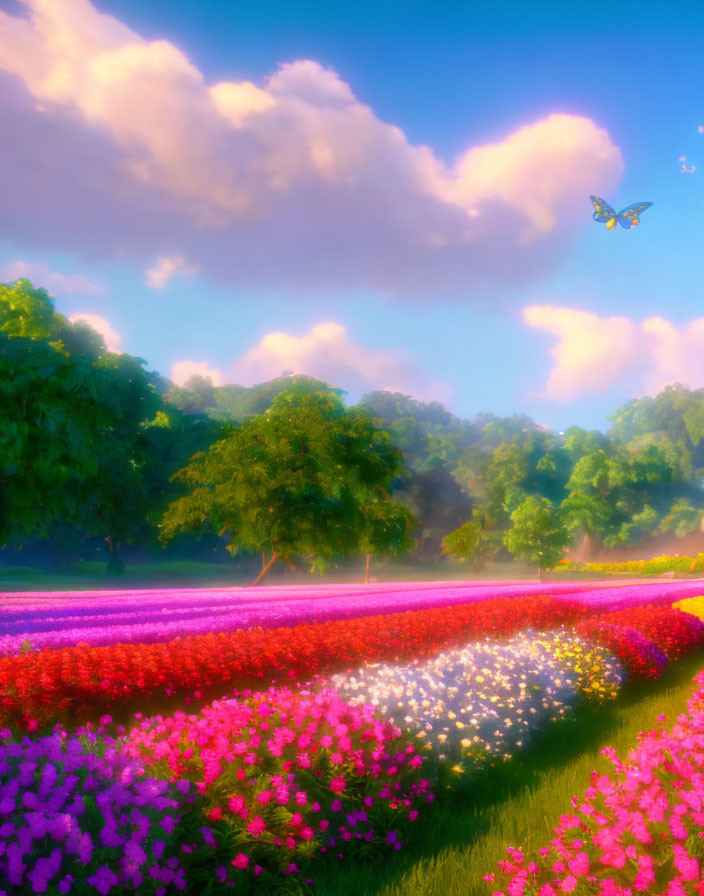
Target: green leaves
x,y
304,479
539,533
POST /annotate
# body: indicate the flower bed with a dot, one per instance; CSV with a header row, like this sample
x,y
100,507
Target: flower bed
x,y
44,685
692,605
70,816
43,620
160,615
636,830
654,566
638,654
284,775
675,632
487,699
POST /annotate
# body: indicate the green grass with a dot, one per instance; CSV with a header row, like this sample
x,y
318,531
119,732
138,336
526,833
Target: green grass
x,y
462,837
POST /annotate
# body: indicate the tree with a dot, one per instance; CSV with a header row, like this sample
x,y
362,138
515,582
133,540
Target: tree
x,y
539,533
683,519
72,417
51,417
196,396
27,312
299,480
386,530
478,540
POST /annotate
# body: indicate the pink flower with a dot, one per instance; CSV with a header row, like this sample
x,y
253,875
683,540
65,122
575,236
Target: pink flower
x,y
687,866
568,884
256,826
337,785
240,861
579,864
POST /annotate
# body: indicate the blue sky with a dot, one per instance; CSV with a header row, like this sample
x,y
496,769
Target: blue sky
x,y
345,239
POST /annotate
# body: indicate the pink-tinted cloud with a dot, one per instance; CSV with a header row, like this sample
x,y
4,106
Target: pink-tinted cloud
x,y
596,353
182,371
53,282
166,267
111,338
327,353
120,146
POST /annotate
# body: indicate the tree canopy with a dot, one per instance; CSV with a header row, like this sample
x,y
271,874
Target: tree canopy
x,y
309,478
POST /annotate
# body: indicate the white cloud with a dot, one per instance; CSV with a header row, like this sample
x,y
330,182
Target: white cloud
x,y
289,183
595,353
327,353
53,282
111,338
182,371
166,267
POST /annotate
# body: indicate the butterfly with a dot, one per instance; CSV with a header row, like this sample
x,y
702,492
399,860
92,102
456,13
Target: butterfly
x,y
627,217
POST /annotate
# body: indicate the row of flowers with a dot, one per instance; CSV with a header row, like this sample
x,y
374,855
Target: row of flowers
x,y
654,566
635,830
72,818
486,700
154,616
46,686
645,638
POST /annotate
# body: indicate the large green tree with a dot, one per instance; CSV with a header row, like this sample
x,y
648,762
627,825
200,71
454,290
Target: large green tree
x,y
297,481
478,540
72,428
539,533
52,415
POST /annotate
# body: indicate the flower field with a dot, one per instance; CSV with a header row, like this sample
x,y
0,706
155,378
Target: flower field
x,y
192,741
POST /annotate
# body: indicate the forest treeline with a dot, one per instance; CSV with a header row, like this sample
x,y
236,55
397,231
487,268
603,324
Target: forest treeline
x,y
98,452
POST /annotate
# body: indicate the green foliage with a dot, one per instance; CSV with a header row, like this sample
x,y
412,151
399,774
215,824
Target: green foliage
x,y
539,533
304,479
478,540
26,312
235,403
683,519
73,451
90,442
51,418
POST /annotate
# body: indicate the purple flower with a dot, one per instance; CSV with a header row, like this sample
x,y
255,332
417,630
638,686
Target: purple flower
x,y
44,870
103,880
168,824
85,848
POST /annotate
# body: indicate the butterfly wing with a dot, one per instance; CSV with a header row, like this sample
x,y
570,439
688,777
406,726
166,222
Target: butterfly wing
x,y
603,212
628,217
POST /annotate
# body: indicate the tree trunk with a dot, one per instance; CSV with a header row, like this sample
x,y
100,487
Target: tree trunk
x,y
540,573
115,564
266,568
366,577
